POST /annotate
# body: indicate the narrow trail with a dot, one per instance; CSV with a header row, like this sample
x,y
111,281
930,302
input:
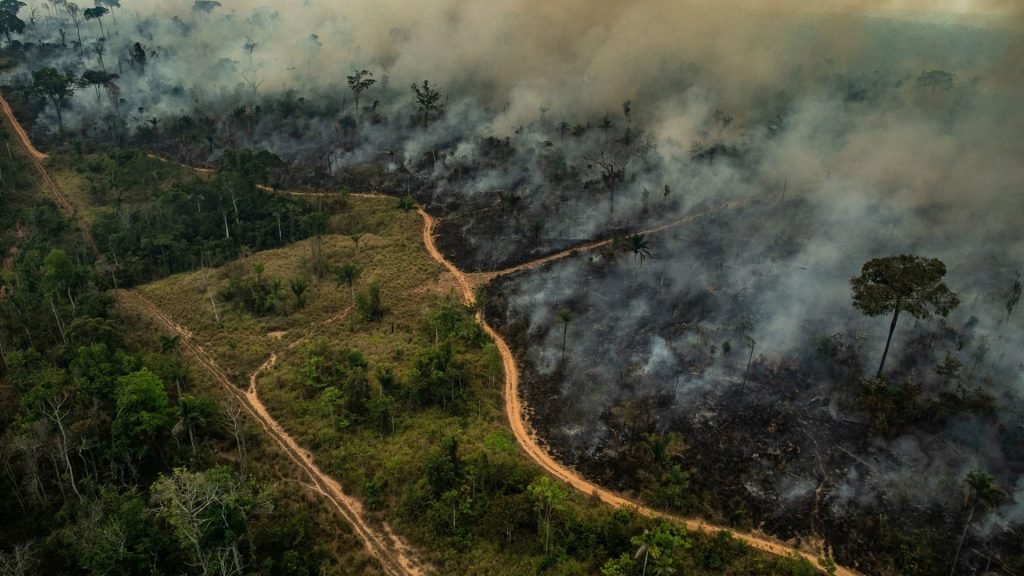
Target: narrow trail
x,y
484,277
527,437
395,556
37,157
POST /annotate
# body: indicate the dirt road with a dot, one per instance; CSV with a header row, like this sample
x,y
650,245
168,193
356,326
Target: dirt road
x,y
525,435
37,157
395,556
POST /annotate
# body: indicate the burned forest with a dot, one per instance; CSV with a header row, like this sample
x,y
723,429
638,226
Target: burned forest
x,y
749,271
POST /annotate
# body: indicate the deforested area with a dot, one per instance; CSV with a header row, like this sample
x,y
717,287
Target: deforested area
x,y
559,288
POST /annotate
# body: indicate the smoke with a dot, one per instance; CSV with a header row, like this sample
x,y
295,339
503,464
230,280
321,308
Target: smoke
x,y
849,130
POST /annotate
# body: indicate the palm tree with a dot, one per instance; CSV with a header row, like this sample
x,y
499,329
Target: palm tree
x,y
638,245
658,546
348,273
982,493
566,317
645,546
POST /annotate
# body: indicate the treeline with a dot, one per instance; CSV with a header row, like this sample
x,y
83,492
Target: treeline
x,y
194,222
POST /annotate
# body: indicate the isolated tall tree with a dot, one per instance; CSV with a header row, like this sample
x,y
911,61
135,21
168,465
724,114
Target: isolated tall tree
x,y
9,21
566,317
427,100
76,13
639,246
359,83
548,498
982,494
904,283
96,14
56,86
110,4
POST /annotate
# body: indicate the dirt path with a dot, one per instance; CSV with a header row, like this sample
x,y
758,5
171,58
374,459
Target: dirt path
x,y
37,158
395,556
527,438
19,132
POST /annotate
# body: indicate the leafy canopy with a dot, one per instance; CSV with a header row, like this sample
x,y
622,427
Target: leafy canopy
x,y
911,284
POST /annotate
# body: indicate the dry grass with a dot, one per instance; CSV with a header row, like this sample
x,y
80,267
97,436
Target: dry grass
x,y
390,253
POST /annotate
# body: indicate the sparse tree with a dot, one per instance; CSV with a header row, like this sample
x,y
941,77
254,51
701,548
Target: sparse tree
x,y
99,48
639,246
110,4
348,274
565,316
904,283
76,16
427,101
56,86
548,499
9,21
982,494
359,83
97,79
96,14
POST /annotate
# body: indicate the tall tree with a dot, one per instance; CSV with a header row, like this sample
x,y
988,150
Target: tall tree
x,y
110,4
97,79
56,86
76,17
96,14
904,283
427,100
9,21
640,247
359,83
565,316
548,498
982,494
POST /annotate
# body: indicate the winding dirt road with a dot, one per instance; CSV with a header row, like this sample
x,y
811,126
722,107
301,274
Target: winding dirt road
x,y
527,438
